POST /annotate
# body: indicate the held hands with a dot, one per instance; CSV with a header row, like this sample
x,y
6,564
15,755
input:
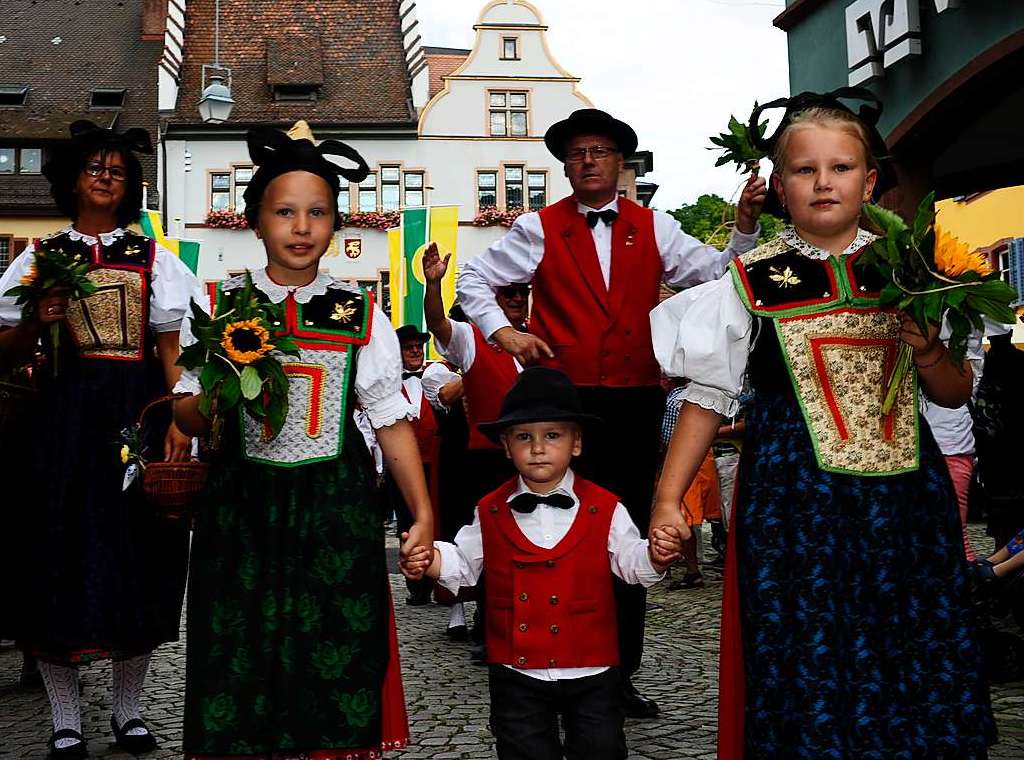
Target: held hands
x,y
434,267
528,349
665,546
416,554
177,445
751,202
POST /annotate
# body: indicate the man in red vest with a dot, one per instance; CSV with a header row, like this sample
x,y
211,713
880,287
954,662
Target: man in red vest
x,y
550,544
596,262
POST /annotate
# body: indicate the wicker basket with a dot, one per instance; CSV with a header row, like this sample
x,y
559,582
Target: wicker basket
x,y
171,487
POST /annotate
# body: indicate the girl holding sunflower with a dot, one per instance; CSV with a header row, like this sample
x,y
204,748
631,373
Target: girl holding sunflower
x,y
845,631
101,575
291,640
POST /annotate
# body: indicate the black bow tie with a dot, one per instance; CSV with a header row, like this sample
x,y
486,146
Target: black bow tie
x,y
607,216
527,502
406,375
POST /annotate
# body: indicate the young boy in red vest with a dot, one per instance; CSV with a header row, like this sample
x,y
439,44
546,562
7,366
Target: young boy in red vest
x,y
550,544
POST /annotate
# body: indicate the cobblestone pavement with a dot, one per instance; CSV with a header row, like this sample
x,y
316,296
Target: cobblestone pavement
x,y
447,696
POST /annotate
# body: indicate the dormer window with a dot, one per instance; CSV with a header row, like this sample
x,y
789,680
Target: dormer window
x,y
13,96
295,92
106,98
510,49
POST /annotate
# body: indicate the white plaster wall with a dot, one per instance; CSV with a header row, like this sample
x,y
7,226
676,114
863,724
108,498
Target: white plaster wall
x,y
510,12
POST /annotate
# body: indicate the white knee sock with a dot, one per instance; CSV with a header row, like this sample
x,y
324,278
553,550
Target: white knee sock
x,y
457,616
62,689
129,676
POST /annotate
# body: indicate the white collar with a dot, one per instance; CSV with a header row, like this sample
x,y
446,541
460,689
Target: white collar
x,y
107,238
302,293
811,251
565,486
584,209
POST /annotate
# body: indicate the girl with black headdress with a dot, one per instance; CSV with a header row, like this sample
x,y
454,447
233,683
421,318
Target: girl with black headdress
x,y
846,632
292,649
103,575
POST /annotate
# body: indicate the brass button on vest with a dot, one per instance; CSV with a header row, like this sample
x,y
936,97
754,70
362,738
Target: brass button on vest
x,y
523,627
523,597
554,600
550,563
554,629
520,661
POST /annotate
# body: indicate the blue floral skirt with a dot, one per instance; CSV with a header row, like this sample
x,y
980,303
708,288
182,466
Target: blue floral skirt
x,y
857,636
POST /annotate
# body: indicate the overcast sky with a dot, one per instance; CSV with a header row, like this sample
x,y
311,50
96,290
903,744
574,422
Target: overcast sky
x,y
673,69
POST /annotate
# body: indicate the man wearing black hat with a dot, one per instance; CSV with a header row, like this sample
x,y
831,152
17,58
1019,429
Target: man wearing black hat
x,y
597,262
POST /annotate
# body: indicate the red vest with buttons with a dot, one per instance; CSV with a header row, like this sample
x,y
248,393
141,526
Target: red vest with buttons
x,y
550,608
425,428
490,376
600,336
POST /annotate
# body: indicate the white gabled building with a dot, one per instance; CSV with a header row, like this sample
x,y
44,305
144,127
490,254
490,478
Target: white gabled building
x,y
438,126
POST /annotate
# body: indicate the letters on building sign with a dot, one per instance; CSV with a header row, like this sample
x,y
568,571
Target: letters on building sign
x,y
880,33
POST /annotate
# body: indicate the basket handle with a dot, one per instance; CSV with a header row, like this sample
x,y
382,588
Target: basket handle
x,y
161,400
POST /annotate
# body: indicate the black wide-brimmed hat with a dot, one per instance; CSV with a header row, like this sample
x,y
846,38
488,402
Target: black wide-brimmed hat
x,y
869,113
588,121
411,334
540,394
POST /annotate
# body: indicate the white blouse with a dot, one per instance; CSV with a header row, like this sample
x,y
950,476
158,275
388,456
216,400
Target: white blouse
x,y
704,334
173,284
378,378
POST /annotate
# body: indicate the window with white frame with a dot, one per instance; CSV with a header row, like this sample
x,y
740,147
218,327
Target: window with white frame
x,y
5,253
220,191
487,189
368,193
390,188
509,112
537,189
513,187
414,189
242,177
510,49
21,160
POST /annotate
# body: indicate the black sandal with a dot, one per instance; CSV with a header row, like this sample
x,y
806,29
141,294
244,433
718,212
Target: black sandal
x,y
133,744
72,751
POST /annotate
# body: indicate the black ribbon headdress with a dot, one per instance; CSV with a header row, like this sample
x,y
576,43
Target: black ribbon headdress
x,y
869,113
275,153
86,138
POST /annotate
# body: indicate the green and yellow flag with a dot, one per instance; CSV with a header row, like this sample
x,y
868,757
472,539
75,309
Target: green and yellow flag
x,y
186,250
406,244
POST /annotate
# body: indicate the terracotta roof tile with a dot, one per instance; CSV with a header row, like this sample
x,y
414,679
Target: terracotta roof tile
x,y
441,65
61,54
365,80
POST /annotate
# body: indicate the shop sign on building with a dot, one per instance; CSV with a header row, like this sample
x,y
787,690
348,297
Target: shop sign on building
x,y
879,33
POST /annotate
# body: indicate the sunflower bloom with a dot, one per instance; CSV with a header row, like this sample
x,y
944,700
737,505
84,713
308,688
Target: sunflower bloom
x,y
954,258
246,341
30,276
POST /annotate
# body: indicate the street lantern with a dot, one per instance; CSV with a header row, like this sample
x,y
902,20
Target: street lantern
x,y
216,102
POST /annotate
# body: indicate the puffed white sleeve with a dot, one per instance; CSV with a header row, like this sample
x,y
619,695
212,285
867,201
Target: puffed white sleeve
x,y
703,334
10,312
435,377
174,287
379,375
188,381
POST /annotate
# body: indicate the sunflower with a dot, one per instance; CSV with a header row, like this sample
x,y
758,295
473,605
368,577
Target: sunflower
x,y
954,258
246,341
30,276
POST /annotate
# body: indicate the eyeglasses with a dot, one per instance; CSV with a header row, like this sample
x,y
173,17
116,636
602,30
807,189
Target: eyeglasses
x,y
597,152
96,169
511,291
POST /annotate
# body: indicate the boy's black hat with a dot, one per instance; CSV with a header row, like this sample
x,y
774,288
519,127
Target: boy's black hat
x,y
590,121
411,334
540,394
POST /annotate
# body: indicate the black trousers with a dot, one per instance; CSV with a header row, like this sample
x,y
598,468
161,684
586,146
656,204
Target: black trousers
x,y
525,712
621,455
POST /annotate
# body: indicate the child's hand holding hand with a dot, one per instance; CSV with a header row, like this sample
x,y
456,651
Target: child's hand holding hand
x,y
414,562
666,546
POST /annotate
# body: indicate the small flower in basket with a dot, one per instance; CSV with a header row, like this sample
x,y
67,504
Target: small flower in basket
x,y
52,270
237,359
132,454
738,147
931,275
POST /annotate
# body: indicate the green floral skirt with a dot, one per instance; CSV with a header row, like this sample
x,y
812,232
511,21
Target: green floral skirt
x,y
291,645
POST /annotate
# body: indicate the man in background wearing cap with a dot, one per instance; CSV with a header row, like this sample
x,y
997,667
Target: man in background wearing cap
x,y
597,262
